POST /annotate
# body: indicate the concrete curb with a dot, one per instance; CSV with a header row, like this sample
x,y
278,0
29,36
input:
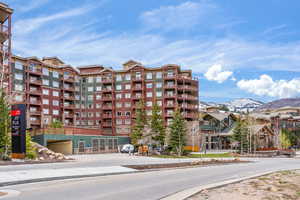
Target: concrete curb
x,y
182,195
3,184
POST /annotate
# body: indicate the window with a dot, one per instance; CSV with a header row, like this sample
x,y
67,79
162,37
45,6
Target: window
x,y
90,106
77,97
55,74
127,113
55,84
119,113
90,89
148,112
170,73
98,97
55,112
98,88
159,103
118,87
149,85
90,122
98,105
98,114
138,75
149,75
45,92
55,103
90,79
119,96
18,76
46,82
46,101
149,103
119,77
98,79
149,94
158,93
127,121
127,95
127,77
158,85
55,93
45,71
158,75
118,105
119,121
127,104
46,111
90,114
90,97
127,87
18,87
19,97
18,65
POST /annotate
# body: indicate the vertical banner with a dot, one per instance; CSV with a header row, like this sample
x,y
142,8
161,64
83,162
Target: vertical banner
x,y
18,131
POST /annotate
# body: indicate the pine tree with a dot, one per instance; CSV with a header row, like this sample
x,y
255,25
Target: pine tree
x,y
30,149
178,133
157,127
4,125
240,135
140,123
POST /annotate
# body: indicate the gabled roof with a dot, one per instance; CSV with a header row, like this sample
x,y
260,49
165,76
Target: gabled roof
x,y
219,116
53,58
255,129
131,62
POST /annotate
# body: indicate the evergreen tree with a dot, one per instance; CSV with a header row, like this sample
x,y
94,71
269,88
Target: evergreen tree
x,y
140,123
4,125
157,127
240,135
178,133
30,149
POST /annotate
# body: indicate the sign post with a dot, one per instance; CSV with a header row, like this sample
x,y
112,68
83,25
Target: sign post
x,y
18,131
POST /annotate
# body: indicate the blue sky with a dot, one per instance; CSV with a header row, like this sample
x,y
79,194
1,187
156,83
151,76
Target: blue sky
x,y
238,48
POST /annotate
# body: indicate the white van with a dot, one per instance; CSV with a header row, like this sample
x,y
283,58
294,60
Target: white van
x,y
127,148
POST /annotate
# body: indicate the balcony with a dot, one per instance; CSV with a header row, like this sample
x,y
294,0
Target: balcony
x,y
188,87
68,115
137,88
35,102
170,105
190,115
35,92
69,106
173,86
169,114
69,97
169,76
70,89
107,124
106,98
137,79
69,79
35,122
34,70
137,97
107,107
107,80
187,97
107,90
189,106
35,112
170,96
34,81
4,33
107,115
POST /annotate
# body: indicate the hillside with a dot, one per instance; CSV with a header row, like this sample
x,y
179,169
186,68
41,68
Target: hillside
x,y
288,102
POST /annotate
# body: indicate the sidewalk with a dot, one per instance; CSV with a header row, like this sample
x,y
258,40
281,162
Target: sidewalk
x,y
36,175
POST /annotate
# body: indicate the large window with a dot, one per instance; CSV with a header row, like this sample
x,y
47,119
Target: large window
x,y
158,75
90,79
18,87
46,82
45,71
55,103
149,94
118,87
158,85
18,76
119,77
90,89
45,92
127,77
18,65
55,93
46,111
55,74
149,75
55,112
46,101
55,84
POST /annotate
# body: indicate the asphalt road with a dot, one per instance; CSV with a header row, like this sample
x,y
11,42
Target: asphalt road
x,y
148,185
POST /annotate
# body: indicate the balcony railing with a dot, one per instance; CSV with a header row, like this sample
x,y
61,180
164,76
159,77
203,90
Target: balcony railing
x,y
69,106
35,91
107,107
35,81
107,115
69,78
187,87
107,124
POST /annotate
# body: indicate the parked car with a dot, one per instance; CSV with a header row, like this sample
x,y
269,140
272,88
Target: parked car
x,y
127,148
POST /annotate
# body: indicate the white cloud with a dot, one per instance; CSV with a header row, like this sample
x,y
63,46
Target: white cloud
x,y
266,86
26,26
216,73
182,16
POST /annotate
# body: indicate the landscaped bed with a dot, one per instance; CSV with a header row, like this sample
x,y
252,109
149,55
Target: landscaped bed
x,y
185,164
208,155
281,185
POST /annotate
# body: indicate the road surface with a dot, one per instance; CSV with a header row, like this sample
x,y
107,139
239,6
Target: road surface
x,y
147,185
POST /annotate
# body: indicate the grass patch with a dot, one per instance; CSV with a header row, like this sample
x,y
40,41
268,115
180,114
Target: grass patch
x,y
208,155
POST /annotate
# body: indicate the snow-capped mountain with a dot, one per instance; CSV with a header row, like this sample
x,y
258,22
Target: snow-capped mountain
x,y
243,105
237,105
